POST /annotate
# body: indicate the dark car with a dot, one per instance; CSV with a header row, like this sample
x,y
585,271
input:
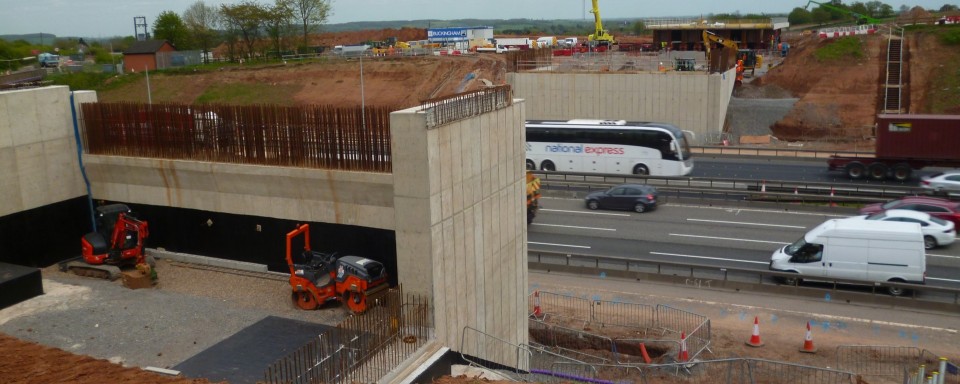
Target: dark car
x,y
638,197
936,207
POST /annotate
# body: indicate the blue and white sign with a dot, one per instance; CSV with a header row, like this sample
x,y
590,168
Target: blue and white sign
x,y
443,35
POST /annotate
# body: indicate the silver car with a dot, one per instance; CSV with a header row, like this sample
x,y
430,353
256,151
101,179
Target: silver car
x,y
942,183
936,232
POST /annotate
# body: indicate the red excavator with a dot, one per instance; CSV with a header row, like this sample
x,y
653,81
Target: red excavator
x,y
117,242
316,278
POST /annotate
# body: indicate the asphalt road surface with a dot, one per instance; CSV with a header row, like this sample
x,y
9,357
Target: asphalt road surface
x,y
725,237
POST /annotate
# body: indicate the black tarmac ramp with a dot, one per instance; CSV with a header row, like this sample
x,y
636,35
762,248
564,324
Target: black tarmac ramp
x,y
245,356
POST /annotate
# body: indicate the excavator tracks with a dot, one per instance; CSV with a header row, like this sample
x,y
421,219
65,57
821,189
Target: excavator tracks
x,y
80,268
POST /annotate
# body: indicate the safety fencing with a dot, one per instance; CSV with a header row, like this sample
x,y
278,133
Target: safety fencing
x,y
536,363
362,348
553,317
464,105
325,137
909,364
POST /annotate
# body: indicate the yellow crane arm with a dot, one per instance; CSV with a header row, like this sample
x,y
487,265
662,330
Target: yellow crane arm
x,y
598,24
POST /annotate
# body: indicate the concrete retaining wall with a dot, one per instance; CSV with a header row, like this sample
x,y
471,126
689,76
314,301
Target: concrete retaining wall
x,y
693,101
461,223
352,198
38,152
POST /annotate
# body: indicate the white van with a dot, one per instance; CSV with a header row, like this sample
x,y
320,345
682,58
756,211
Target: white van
x,y
869,251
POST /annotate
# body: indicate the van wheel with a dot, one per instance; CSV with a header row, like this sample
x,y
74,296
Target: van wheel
x,y
895,291
929,242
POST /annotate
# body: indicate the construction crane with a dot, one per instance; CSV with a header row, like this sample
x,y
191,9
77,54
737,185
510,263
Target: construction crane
x,y
600,36
861,18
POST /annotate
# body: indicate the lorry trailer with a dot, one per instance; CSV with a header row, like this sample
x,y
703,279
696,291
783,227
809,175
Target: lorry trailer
x,y
905,143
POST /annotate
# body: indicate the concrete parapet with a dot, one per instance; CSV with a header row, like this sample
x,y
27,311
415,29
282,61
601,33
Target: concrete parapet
x,y
339,197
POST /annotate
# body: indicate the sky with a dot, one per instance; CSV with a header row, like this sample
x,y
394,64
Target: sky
x,y
107,18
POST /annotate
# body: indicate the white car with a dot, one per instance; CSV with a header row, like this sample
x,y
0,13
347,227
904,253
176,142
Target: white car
x,y
936,231
942,183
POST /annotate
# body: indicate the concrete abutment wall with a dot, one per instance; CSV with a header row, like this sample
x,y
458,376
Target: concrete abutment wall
x,y
693,101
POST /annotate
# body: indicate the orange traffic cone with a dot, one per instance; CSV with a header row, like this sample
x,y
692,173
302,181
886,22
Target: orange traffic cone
x,y
755,337
832,204
684,355
643,352
808,342
763,186
795,190
537,312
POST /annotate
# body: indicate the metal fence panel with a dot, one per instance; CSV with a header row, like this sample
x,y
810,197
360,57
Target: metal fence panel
x,y
877,360
362,348
465,105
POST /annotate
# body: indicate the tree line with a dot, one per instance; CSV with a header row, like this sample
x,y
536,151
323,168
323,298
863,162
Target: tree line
x,y
836,10
285,24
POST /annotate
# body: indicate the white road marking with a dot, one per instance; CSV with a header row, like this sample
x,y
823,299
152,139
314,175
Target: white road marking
x,y
939,279
738,210
743,223
560,245
944,256
575,227
729,238
585,213
709,258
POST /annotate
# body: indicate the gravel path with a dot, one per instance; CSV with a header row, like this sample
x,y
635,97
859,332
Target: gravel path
x,y
189,310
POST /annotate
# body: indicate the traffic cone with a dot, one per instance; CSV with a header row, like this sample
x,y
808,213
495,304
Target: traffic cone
x,y
808,342
763,186
643,352
795,190
684,355
832,204
537,312
755,337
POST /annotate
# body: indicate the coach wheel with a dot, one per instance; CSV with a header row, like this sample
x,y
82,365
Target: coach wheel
x,y
902,171
855,170
641,170
878,171
531,165
548,166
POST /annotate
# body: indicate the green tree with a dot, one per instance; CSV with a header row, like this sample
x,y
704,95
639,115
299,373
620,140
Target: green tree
x,y
278,24
203,21
13,53
170,27
860,8
244,21
639,28
873,8
799,16
949,8
904,9
820,15
886,10
311,14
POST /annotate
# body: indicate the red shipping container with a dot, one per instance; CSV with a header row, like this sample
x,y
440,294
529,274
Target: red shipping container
x,y
923,137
